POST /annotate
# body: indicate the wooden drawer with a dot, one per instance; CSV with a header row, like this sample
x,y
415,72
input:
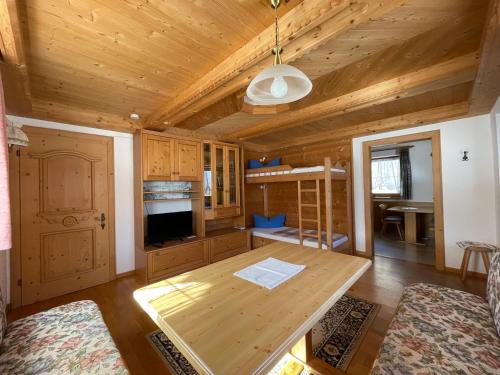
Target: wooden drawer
x,y
260,242
227,212
228,245
174,260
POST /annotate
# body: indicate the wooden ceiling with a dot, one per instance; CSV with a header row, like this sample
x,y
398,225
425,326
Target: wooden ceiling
x,y
184,65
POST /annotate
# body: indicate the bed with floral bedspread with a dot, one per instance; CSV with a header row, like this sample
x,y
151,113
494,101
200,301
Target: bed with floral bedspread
x,y
438,330
69,339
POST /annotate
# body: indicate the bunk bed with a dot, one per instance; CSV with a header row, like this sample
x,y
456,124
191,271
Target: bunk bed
x,y
322,239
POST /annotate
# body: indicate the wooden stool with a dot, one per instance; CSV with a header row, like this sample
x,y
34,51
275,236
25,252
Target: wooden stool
x,y
483,250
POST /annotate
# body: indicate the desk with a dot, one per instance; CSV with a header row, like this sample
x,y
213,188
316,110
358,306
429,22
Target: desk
x,y
225,325
411,219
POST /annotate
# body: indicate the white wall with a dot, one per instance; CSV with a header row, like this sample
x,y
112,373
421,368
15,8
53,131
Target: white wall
x,y
124,185
421,171
468,187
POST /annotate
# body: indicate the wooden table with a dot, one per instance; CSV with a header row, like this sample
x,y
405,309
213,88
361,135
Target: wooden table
x,y
225,325
411,220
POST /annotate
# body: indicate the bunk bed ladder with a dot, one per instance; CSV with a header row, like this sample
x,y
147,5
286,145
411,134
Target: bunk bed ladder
x,y
317,220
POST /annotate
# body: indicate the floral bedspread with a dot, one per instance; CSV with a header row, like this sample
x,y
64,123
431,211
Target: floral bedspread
x,y
437,330
69,339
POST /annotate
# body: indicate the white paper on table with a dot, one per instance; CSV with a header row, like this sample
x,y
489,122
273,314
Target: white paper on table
x,y
269,273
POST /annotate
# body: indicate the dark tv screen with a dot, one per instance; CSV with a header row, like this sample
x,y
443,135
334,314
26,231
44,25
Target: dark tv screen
x,y
169,226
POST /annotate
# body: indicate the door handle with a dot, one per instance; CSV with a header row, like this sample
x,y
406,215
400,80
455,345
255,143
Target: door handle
x,y
102,221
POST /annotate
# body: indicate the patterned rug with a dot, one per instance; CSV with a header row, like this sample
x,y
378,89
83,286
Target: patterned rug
x,y
335,337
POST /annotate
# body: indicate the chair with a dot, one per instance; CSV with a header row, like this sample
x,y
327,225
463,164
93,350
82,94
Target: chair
x,y
391,219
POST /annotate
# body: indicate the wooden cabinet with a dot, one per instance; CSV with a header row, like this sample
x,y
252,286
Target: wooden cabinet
x,y
170,159
174,260
228,245
260,242
158,157
222,180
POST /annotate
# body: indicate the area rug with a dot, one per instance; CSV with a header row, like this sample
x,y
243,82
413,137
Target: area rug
x,y
335,337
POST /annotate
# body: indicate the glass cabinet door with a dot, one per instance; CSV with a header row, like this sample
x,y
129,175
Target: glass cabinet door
x,y
219,175
232,156
207,175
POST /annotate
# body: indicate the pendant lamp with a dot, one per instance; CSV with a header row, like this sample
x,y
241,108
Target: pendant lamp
x,y
280,83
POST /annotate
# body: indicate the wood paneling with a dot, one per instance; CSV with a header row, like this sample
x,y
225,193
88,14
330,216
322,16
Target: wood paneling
x,y
486,88
446,74
282,197
188,63
304,28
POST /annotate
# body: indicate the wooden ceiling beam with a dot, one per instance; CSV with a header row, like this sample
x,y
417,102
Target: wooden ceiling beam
x,y
486,88
409,120
445,74
306,27
15,71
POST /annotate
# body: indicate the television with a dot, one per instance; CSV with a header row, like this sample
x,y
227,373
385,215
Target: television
x,y
169,226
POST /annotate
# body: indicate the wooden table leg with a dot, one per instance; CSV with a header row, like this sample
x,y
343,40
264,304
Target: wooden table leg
x,y
302,350
465,264
411,227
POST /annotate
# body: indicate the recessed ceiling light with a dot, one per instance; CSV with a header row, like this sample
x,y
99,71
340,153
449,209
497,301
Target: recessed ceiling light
x,y
134,116
166,122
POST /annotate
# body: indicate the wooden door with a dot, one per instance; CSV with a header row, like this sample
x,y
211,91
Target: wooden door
x,y
188,160
158,158
67,213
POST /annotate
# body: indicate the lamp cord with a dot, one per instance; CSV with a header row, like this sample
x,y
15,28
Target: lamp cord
x,y
277,49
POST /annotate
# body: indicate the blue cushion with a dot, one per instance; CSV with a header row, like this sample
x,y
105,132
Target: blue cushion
x,y
273,222
275,162
254,164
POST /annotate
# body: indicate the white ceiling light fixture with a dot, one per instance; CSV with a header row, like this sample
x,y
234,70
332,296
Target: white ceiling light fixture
x,y
280,83
134,116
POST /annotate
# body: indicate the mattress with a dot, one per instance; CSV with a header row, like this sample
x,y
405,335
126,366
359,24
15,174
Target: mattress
x,y
291,235
319,168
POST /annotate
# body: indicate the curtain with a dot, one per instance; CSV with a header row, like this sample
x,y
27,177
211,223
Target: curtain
x,y
405,165
5,225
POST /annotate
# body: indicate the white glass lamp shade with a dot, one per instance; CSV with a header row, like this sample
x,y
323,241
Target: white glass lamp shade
x,y
278,84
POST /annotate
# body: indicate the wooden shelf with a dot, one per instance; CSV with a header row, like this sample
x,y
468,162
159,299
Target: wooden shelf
x,y
170,199
168,244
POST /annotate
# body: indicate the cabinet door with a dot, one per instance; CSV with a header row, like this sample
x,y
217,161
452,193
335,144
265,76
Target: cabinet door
x,y
158,158
175,260
232,177
218,175
228,246
188,160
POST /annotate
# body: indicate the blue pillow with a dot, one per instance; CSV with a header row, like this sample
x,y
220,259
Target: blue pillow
x,y
252,164
273,222
275,162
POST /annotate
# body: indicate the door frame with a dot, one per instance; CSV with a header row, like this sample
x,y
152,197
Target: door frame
x,y
15,201
435,137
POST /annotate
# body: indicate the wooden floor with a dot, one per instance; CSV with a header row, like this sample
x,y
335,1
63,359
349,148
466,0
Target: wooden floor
x,y
390,246
383,284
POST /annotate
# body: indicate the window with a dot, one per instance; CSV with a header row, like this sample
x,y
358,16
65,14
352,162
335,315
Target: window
x,y
386,177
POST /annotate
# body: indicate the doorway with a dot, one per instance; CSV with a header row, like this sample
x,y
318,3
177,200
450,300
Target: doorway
x,y
403,198
63,214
